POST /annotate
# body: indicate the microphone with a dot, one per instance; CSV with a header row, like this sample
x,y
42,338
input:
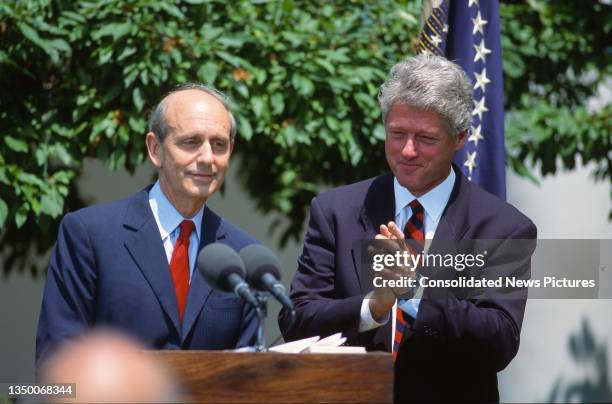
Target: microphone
x,y
263,272
223,269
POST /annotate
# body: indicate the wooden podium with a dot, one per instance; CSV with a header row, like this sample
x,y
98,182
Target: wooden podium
x,y
266,377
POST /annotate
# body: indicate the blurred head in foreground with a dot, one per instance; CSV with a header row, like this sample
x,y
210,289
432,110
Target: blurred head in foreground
x,y
109,367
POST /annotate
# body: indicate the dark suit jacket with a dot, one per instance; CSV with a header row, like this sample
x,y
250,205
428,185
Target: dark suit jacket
x,y
109,268
455,347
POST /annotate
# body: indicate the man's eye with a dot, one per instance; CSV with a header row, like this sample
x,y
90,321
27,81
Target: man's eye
x,y
427,139
189,142
219,144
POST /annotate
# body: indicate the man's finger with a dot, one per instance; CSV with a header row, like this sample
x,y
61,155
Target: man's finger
x,y
395,230
384,230
397,233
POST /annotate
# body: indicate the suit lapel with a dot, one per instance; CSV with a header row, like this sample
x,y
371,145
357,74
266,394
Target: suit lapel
x,y
199,291
455,220
144,244
454,223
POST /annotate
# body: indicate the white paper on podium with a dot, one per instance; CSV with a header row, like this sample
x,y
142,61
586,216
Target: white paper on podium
x,y
294,346
335,349
331,344
333,340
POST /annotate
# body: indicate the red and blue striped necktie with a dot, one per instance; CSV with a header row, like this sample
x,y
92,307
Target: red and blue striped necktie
x,y
414,230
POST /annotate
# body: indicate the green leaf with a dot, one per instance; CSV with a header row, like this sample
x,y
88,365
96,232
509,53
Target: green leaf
x,y
35,206
63,131
172,10
3,213
41,154
3,178
60,45
379,132
127,52
294,38
21,216
332,123
62,176
245,129
138,99
338,55
208,73
138,125
338,85
257,103
290,135
105,55
231,59
30,179
356,153
116,30
124,134
30,33
74,16
278,103
242,89
144,77
232,41
60,152
325,64
302,84
17,145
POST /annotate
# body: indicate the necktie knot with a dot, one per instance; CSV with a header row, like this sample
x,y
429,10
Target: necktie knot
x,y
414,228
416,207
187,227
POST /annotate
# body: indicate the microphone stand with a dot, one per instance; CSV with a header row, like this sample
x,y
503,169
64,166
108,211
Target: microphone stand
x,y
262,313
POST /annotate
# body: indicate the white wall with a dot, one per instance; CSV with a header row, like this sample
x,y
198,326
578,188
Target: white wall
x,y
568,206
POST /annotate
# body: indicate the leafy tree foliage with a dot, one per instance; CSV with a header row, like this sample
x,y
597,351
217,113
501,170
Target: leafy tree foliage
x,y
556,55
78,77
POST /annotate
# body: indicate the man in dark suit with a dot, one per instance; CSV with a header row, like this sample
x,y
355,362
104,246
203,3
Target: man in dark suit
x,y
447,348
131,264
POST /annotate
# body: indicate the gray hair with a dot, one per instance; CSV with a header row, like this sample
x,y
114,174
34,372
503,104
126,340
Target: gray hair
x,y
429,82
157,119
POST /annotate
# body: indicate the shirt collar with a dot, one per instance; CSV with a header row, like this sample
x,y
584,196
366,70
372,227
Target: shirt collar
x,y
166,215
433,201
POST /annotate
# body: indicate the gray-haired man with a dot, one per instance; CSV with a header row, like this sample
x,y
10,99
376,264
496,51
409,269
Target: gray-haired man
x,y
446,349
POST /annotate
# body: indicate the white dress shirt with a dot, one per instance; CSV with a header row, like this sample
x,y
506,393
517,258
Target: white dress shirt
x,y
169,221
433,203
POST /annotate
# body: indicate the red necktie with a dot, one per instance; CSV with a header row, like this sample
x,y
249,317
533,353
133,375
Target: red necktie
x,y
412,230
179,265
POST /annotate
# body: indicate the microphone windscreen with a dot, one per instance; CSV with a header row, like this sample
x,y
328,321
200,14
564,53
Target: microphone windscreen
x,y
216,262
259,260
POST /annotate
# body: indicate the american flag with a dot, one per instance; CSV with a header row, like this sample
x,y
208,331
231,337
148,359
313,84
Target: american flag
x,y
467,32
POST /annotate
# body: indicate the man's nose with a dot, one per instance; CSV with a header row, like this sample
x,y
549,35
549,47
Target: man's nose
x,y
410,149
205,153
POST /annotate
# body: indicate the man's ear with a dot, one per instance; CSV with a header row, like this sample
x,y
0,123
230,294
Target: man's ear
x,y
461,139
154,149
